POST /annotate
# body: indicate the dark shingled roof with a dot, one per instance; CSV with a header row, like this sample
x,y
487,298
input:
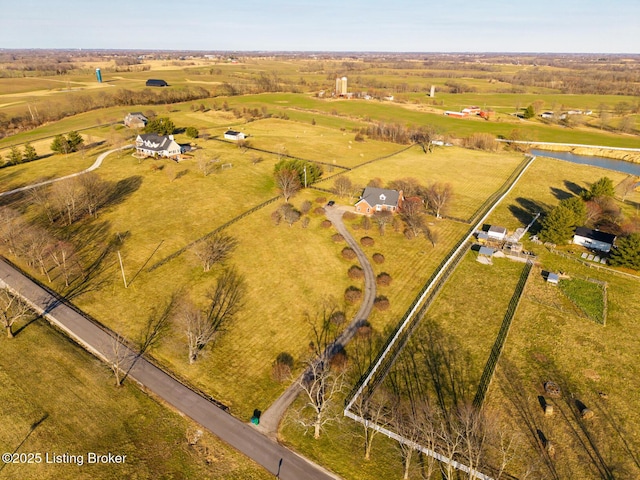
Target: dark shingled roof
x,y
380,196
595,235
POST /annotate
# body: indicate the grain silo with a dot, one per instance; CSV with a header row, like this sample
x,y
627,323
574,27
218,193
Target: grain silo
x,y
343,86
99,75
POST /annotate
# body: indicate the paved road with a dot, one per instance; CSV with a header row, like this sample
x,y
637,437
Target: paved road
x,y
93,167
275,458
272,416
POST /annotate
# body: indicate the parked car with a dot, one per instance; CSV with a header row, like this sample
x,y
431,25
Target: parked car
x,y
331,203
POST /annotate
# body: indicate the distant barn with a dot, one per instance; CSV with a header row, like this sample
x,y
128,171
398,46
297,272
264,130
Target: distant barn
x,y
154,82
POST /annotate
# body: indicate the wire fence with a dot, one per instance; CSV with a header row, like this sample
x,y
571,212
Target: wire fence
x,y
496,351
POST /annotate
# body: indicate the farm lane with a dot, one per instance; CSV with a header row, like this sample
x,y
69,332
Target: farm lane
x,y
93,167
274,457
272,416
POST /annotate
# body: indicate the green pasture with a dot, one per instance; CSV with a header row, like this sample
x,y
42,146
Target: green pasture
x,y
593,364
588,296
53,166
542,186
56,398
474,175
315,142
468,312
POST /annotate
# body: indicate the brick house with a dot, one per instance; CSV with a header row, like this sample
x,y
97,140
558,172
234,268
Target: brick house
x,y
379,200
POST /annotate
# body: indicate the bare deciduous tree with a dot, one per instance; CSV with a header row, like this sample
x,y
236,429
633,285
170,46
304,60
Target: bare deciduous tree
x,y
290,214
12,309
431,235
382,219
63,255
215,249
66,199
374,412
287,182
37,244
95,192
407,425
321,385
342,186
203,326
412,209
38,196
438,197
12,227
120,358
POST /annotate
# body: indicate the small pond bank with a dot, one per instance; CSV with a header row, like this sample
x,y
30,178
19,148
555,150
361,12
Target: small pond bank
x,y
622,166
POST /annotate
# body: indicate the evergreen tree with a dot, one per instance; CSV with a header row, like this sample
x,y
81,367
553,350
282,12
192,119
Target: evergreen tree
x,y
60,144
627,252
602,188
529,112
558,226
576,206
15,156
160,126
192,132
75,141
313,170
29,153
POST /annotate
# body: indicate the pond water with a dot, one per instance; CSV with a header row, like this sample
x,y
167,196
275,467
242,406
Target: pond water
x,y
608,163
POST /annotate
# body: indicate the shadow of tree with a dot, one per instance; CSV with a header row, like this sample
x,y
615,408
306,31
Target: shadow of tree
x,y
122,190
525,209
561,194
573,187
434,355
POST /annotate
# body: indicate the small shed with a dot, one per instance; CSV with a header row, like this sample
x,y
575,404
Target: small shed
x,y
483,237
234,135
485,254
497,233
553,278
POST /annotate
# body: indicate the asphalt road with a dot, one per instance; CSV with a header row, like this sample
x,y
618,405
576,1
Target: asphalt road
x,y
278,460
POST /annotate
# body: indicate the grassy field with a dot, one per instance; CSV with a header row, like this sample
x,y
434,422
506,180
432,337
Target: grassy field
x,y
315,142
593,364
474,175
56,399
588,297
289,271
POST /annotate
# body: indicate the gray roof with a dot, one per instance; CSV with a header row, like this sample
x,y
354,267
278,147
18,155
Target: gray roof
x,y
486,251
380,196
154,142
553,277
497,229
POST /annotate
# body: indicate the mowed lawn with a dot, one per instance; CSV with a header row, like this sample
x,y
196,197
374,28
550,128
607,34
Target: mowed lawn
x,y
53,166
410,263
315,142
56,399
474,175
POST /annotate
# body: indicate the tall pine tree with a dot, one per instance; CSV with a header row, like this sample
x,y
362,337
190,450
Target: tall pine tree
x,y
627,252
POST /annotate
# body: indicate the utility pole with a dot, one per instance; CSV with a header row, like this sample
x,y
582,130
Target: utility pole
x,y
305,176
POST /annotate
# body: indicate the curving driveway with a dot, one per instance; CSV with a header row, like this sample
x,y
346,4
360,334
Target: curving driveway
x,y
93,167
271,417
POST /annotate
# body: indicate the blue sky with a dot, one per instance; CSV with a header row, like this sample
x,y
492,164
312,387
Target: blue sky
x,y
597,26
